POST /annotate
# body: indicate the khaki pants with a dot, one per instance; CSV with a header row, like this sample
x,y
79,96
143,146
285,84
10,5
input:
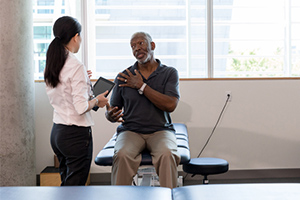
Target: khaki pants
x,y
163,148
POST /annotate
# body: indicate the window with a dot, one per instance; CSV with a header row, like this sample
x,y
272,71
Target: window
x,y
200,38
45,12
166,21
256,38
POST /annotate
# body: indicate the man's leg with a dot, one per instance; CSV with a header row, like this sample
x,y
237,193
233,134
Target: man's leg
x,y
165,158
127,157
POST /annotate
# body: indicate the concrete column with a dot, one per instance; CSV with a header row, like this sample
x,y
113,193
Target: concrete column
x,y
17,146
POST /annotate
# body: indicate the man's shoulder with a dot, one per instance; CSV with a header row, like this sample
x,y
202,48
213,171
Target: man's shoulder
x,y
166,67
130,68
167,70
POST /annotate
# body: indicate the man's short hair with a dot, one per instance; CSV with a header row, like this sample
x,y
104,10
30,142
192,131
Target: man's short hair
x,y
147,35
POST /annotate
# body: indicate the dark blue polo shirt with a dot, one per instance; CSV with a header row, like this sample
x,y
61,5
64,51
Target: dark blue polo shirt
x,y
140,115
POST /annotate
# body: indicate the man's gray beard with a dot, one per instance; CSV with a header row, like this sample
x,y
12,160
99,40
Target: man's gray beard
x,y
146,60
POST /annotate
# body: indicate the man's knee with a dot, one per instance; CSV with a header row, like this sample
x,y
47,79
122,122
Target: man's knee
x,y
123,155
170,157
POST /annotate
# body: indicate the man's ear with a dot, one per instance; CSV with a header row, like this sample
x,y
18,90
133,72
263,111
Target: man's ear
x,y
152,46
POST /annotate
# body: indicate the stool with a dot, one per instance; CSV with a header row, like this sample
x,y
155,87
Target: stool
x,y
205,167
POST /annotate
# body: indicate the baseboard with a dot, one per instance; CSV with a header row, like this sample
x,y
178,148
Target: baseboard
x,y
100,179
232,176
249,176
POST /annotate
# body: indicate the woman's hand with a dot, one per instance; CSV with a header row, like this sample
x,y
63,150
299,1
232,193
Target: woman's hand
x,y
89,72
102,100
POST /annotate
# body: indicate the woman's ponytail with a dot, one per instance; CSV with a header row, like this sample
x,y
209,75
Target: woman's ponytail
x,y
64,29
55,60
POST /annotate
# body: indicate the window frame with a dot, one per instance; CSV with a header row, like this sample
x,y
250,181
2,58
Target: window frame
x,y
85,54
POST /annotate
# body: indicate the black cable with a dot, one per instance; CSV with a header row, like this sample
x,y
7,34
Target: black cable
x,y
228,96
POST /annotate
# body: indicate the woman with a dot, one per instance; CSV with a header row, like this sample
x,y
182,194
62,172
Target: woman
x,y
69,90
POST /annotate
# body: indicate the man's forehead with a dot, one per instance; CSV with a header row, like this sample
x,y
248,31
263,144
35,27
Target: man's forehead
x,y
138,37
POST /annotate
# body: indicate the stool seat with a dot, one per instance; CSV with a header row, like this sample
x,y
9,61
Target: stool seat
x,y
206,166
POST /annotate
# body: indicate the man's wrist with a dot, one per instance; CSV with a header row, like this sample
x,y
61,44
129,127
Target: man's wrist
x,y
109,118
141,90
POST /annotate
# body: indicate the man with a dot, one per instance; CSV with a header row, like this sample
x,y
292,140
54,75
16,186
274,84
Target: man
x,y
147,92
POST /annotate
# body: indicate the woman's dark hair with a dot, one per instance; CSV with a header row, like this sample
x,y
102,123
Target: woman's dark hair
x,y
64,29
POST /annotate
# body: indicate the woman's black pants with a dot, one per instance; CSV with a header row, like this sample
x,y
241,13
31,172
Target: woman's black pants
x,y
73,146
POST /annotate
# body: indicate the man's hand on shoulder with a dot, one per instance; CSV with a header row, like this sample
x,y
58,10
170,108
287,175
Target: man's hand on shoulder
x,y
113,114
131,80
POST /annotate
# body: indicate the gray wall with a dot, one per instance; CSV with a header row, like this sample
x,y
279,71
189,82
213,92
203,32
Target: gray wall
x,y
260,128
17,146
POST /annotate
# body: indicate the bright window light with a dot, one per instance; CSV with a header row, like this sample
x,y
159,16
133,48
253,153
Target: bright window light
x,y
200,38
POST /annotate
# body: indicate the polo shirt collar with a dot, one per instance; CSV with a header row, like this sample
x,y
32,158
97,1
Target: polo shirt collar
x,y
159,67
